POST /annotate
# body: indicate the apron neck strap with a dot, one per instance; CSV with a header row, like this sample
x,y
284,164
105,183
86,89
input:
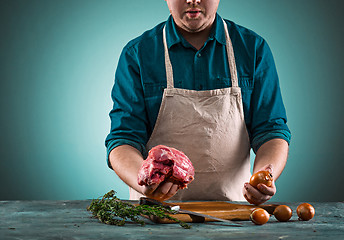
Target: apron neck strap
x,y
168,65
230,56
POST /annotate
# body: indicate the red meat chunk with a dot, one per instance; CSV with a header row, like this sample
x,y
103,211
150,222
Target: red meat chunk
x,y
165,163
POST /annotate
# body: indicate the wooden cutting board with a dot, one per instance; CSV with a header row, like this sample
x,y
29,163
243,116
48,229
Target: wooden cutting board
x,y
225,210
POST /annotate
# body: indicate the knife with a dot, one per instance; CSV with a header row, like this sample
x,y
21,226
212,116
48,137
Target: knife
x,y
152,202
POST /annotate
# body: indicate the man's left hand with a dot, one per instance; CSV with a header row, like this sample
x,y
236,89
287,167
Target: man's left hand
x,y
262,193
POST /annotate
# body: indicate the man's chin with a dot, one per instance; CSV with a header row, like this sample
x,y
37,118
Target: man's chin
x,y
196,30
194,26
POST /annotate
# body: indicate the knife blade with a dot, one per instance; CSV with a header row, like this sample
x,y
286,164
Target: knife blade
x,y
151,202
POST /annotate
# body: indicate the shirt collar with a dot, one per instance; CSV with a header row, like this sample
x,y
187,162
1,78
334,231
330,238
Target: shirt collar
x,y
173,36
218,31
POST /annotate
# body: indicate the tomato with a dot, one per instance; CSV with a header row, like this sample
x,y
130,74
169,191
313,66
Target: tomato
x,y
264,177
305,211
282,213
259,216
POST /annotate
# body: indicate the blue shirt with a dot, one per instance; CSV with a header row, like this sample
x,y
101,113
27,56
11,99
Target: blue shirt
x,y
140,79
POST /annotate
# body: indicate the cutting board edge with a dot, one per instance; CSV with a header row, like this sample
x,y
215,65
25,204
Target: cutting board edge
x,y
240,212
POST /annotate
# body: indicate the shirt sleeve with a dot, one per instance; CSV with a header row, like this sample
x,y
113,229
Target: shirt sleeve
x,y
268,114
128,115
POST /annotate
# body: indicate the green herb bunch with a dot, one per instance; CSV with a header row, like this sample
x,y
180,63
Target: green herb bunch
x,y
109,209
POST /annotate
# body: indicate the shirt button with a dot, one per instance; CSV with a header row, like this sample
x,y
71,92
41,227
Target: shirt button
x,y
199,55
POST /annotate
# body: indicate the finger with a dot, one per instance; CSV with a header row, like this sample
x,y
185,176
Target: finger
x,y
253,200
248,199
245,193
269,168
150,189
267,190
162,190
173,190
255,195
165,187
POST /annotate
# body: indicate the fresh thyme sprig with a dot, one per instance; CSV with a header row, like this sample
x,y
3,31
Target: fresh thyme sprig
x,y
109,209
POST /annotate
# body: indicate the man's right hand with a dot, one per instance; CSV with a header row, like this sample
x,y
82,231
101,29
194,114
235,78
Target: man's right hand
x,y
126,162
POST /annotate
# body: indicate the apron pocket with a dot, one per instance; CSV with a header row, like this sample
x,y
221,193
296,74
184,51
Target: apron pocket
x,y
153,96
153,89
245,83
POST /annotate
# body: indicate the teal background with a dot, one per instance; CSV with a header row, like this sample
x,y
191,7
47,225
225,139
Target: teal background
x,y
57,64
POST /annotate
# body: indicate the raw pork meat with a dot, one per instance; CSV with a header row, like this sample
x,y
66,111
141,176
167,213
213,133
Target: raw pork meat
x,y
165,163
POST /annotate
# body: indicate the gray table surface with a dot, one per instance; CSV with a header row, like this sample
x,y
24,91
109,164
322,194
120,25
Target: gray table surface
x,y
71,220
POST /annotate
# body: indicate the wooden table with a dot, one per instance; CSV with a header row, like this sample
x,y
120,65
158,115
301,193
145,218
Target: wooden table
x,y
70,220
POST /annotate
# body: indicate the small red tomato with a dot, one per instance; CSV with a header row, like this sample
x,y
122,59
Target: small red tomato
x,y
283,213
259,216
305,211
264,177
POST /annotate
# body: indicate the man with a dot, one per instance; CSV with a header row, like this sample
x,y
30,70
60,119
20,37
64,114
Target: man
x,y
207,87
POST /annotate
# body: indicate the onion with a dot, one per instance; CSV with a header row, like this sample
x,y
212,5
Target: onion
x,y
282,213
259,216
305,211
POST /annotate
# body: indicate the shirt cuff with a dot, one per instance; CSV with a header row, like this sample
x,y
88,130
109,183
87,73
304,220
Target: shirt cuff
x,y
262,138
111,144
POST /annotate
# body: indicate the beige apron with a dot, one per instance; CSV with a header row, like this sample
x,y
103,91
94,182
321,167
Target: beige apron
x,y
209,127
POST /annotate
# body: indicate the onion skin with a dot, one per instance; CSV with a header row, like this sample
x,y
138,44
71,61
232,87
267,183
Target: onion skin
x,y
305,211
264,177
283,213
259,216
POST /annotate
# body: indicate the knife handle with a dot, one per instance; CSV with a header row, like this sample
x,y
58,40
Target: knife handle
x,y
153,202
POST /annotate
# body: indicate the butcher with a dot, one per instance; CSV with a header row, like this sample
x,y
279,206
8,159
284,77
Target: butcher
x,y
207,87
